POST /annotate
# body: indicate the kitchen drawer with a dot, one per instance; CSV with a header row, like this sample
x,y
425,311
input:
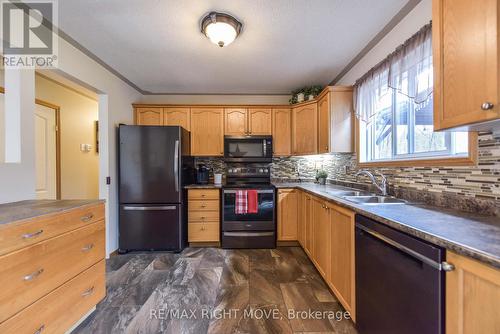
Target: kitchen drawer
x,y
19,235
30,273
63,307
203,232
203,216
203,205
203,194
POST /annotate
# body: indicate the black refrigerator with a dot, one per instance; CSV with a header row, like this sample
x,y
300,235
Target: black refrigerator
x,y
154,166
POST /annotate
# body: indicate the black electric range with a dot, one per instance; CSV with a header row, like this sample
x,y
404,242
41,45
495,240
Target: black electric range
x,y
249,230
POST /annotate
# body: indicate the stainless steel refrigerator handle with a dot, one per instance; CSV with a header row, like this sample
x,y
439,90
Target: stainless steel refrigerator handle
x,y
176,165
402,248
248,234
270,191
149,208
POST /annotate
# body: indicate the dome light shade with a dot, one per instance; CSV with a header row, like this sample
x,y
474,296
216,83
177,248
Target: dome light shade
x,y
222,29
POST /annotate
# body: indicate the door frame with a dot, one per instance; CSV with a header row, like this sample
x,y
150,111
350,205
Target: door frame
x,y
57,112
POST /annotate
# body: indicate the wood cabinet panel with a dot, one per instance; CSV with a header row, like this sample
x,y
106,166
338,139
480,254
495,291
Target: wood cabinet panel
x,y
472,297
203,194
342,279
341,120
282,132
19,235
305,129
287,214
29,274
60,309
235,121
308,225
301,226
195,205
177,116
207,131
259,121
324,124
322,238
465,57
203,232
149,116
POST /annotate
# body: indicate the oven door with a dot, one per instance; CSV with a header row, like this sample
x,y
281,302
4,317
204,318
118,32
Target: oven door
x,y
248,149
263,220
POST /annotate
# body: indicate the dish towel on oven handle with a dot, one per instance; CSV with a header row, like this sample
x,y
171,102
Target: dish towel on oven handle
x,y
241,202
252,201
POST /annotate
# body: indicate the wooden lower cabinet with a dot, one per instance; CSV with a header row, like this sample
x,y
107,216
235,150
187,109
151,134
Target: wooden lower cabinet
x,y
308,224
472,297
321,238
342,270
203,215
63,307
301,226
287,214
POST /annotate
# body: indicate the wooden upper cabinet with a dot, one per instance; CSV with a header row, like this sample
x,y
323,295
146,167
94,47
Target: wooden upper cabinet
x,y
282,132
341,119
287,214
259,121
149,116
465,60
235,121
177,116
305,129
324,124
472,296
207,131
342,269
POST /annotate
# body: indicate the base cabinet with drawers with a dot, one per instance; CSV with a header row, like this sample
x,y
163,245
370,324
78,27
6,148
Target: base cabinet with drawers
x,y
52,269
203,215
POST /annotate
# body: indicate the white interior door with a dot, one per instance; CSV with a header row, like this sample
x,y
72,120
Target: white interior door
x,y
45,152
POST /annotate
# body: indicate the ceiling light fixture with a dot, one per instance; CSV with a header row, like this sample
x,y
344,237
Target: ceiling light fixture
x,y
222,29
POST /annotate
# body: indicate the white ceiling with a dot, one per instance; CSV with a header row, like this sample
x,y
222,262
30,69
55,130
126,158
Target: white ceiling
x,y
285,44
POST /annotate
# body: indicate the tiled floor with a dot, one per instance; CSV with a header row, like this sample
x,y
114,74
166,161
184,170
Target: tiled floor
x,y
216,291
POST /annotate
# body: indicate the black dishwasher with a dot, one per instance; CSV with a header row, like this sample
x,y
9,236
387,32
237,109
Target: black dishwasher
x,y
399,281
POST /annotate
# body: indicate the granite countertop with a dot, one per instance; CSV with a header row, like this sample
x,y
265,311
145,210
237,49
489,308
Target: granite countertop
x,y
16,211
204,186
465,233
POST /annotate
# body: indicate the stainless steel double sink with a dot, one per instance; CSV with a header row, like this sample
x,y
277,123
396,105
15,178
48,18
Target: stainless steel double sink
x,y
366,198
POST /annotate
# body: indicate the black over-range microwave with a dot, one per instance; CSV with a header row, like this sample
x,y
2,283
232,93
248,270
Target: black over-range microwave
x,y
248,149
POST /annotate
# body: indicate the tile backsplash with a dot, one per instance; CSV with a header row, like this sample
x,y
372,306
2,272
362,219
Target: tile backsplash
x,y
472,183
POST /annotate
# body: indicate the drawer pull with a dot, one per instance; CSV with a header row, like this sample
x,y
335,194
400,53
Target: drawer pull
x,y
87,247
487,106
32,235
34,275
203,206
87,217
203,195
40,329
88,292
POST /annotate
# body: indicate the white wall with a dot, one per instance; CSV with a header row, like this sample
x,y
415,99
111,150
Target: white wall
x,y
416,19
215,99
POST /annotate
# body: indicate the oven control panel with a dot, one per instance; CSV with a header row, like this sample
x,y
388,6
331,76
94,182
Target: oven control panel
x,y
248,171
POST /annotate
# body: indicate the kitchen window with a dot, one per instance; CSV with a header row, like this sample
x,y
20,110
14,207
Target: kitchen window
x,y
394,107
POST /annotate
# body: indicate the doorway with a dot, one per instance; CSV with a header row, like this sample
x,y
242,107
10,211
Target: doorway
x,y
47,151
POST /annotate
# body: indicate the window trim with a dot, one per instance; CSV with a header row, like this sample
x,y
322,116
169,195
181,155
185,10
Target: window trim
x,y
439,161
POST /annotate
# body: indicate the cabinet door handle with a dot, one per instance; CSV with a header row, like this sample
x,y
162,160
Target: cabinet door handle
x,y
203,206
87,217
447,266
88,292
33,275
32,235
40,329
88,247
487,106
